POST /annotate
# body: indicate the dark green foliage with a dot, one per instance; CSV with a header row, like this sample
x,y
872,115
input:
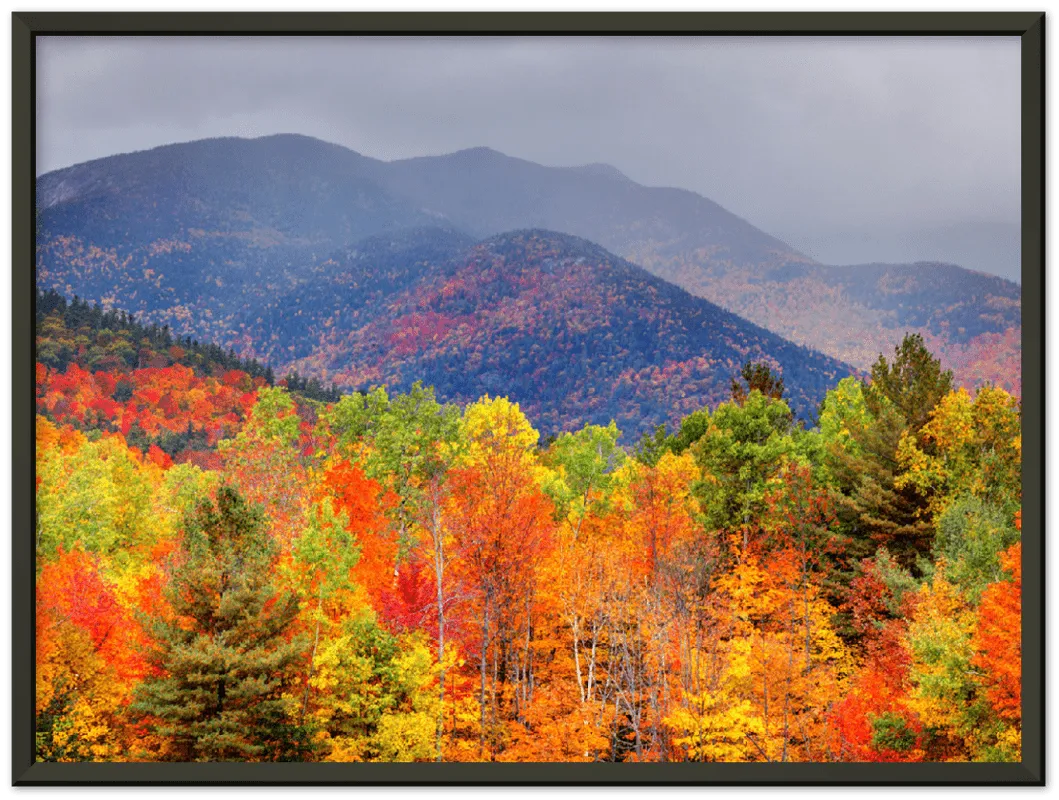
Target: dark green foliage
x,y
891,732
114,340
913,384
311,388
692,428
898,400
651,446
873,511
756,376
225,663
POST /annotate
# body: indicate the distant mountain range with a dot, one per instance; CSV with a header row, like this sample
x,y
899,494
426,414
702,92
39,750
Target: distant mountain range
x,y
303,252
988,246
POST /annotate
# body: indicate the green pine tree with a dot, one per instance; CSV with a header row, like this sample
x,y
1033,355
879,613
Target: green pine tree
x,y
913,384
227,669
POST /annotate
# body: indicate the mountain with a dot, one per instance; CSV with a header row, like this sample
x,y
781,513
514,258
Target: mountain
x,y
193,234
343,291
486,192
857,312
852,313
982,245
572,332
256,220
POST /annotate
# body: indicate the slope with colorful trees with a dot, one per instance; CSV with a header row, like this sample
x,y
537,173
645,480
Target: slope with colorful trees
x,y
386,577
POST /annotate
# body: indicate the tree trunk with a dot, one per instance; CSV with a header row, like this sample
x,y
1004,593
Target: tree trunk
x,y
481,691
439,575
312,655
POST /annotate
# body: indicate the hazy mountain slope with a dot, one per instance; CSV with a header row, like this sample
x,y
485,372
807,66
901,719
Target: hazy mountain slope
x,y
193,234
204,235
344,291
988,246
486,192
571,331
855,313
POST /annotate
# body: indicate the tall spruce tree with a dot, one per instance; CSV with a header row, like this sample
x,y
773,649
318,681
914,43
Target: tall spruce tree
x,y
224,662
898,402
913,384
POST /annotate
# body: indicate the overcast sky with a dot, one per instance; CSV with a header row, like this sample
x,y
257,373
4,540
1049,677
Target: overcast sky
x,y
819,141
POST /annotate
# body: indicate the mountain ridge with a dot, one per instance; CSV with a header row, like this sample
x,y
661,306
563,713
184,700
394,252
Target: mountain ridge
x,y
154,230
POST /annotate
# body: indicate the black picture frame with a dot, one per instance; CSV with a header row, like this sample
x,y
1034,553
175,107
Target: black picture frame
x,y
27,26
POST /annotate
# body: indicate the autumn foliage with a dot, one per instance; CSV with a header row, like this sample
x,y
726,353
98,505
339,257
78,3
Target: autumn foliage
x,y
229,569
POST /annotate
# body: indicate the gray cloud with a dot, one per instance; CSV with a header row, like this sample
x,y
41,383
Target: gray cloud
x,y
809,139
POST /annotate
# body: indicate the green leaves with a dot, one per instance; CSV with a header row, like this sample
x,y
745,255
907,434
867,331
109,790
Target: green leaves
x,y
97,494
586,461
913,383
743,448
970,537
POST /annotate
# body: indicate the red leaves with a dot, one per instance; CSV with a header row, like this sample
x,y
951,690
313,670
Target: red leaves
x,y
155,455
408,605
163,400
867,599
71,590
413,332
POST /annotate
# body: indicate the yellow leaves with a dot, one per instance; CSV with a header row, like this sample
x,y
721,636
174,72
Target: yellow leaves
x,y
75,686
89,736
967,447
1010,741
939,638
496,425
416,670
952,423
345,749
716,718
714,727
406,736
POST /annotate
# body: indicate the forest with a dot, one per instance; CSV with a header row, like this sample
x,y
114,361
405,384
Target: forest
x,y
237,567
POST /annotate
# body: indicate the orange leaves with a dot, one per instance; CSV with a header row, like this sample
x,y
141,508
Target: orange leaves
x,y
503,522
998,638
71,591
357,496
662,508
157,401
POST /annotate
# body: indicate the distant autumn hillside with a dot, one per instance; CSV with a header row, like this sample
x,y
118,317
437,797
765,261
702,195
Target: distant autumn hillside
x,y
971,320
573,333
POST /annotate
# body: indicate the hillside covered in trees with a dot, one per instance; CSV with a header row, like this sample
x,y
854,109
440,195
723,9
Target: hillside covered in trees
x,y
231,569
568,330
465,458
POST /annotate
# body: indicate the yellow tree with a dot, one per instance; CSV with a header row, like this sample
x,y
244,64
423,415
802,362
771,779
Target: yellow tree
x,y
502,524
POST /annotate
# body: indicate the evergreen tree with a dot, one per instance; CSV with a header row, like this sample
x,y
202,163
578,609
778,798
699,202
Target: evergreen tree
x,y
913,384
756,376
224,663
874,510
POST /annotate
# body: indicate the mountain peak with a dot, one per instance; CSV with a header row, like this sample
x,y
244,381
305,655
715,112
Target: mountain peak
x,y
479,152
603,170
299,140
